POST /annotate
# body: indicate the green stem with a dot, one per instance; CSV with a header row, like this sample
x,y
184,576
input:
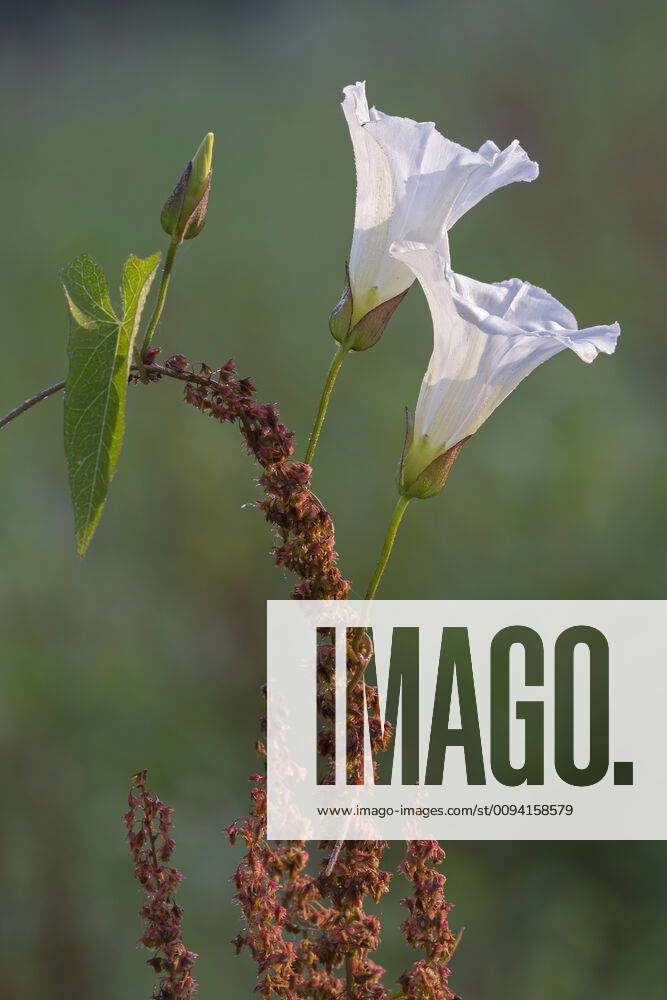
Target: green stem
x,y
161,295
324,402
399,511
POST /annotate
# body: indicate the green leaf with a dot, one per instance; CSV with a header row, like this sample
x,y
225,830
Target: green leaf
x,y
138,277
100,353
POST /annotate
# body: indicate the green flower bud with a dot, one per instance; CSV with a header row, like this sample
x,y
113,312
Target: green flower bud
x,y
424,470
184,212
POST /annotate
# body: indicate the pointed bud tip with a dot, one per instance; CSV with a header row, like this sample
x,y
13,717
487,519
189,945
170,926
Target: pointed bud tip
x,y
203,158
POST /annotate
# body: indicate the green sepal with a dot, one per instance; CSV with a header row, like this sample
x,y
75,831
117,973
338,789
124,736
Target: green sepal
x,y
367,331
341,314
431,479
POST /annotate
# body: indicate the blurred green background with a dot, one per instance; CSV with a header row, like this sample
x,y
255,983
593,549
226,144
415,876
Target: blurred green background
x,y
150,652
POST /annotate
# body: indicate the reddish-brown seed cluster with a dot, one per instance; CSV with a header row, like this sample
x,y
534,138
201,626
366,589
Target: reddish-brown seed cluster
x,y
303,930
350,934
305,529
306,931
148,823
300,929
427,927
354,872
358,654
258,890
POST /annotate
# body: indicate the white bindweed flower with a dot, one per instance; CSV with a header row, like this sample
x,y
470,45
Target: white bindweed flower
x,y
412,184
486,339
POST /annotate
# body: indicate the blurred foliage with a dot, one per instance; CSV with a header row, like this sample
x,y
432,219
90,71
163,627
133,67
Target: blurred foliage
x,y
148,654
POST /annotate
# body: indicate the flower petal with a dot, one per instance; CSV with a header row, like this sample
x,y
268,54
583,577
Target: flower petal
x,y
495,168
516,307
440,179
374,275
412,184
487,339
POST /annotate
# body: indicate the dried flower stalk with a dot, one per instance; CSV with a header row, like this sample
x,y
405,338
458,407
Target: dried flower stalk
x,y
148,822
309,934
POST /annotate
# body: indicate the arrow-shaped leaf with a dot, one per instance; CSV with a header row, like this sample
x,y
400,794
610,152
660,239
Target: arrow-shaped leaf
x,y
100,353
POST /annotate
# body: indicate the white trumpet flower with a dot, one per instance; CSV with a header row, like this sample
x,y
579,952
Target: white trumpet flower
x,y
412,184
486,339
